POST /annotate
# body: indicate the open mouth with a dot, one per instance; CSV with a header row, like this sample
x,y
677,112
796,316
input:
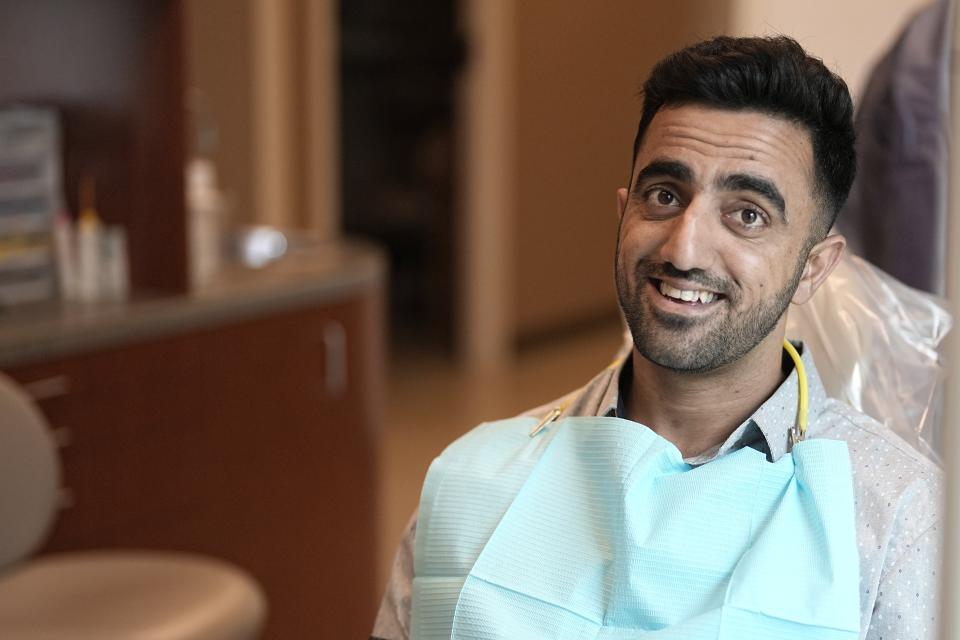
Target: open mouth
x,y
692,297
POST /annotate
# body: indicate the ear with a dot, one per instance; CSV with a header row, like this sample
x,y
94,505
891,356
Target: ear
x,y
621,201
824,256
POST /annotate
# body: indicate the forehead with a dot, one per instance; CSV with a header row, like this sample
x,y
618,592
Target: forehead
x,y
712,140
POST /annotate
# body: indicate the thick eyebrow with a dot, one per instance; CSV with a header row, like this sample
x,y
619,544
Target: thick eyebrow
x,y
664,169
760,186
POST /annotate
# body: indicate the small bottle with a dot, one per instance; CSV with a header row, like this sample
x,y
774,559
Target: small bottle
x,y
89,239
205,204
65,252
114,272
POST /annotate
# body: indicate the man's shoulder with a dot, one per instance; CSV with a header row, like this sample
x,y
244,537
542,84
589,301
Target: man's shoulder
x,y
874,443
583,401
893,480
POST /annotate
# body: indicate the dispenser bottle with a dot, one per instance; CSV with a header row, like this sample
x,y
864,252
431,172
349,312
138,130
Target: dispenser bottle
x,y
89,238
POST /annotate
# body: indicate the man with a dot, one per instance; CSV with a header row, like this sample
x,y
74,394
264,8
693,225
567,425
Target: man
x,y
635,503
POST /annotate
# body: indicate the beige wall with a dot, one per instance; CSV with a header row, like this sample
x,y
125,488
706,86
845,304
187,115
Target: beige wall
x,y
267,69
578,69
849,35
218,63
486,146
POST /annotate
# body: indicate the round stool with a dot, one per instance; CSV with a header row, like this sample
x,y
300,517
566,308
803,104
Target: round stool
x,y
114,595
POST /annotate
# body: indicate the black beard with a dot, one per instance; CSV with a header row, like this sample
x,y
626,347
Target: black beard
x,y
661,338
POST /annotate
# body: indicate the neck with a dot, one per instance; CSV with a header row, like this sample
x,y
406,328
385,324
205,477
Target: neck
x,y
698,411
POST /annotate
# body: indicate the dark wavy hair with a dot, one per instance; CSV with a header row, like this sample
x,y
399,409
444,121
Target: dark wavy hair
x,y
771,75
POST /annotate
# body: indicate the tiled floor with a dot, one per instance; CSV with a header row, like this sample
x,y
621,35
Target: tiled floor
x,y
430,403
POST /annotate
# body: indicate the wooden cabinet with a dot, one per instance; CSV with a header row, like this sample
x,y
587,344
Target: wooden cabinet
x,y
253,441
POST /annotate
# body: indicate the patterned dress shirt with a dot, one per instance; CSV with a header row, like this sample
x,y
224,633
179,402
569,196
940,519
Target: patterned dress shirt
x,y
898,495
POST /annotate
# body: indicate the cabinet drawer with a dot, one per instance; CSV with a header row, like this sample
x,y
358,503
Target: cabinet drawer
x,y
218,378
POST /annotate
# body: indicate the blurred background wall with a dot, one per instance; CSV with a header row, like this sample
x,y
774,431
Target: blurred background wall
x,y
848,36
578,67
264,107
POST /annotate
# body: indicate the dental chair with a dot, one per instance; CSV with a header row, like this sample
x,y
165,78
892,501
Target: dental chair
x,y
99,595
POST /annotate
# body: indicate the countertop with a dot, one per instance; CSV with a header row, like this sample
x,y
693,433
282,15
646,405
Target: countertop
x,y
304,277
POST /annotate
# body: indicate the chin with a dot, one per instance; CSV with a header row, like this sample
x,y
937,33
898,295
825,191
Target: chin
x,y
679,362
685,345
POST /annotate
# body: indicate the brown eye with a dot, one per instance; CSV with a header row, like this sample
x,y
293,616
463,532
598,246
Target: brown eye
x,y
665,197
749,222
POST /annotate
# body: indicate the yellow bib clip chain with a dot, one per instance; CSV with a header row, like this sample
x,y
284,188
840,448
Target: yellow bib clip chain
x,y
799,432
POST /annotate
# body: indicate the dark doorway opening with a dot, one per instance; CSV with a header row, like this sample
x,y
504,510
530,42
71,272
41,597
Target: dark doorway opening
x,y
399,64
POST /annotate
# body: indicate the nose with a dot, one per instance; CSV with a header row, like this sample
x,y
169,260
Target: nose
x,y
690,237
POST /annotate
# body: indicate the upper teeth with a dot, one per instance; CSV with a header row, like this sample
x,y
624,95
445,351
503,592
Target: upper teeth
x,y
688,296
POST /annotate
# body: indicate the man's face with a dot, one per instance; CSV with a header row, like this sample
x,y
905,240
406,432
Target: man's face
x,y
713,233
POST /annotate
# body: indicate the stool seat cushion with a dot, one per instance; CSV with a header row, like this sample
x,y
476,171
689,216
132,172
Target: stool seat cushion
x,y
130,595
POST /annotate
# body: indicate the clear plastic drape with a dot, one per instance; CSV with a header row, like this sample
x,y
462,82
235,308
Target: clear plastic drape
x,y
874,341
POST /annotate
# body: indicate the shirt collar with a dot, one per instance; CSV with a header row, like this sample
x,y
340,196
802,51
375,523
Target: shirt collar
x,y
766,430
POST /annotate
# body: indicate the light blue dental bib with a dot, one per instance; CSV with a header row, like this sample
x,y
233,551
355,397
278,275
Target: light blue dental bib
x,y
597,529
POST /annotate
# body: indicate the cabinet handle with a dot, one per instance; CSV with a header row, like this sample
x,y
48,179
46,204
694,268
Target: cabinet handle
x,y
335,353
48,388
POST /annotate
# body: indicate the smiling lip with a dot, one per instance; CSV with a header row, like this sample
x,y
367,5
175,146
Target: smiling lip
x,y
682,295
